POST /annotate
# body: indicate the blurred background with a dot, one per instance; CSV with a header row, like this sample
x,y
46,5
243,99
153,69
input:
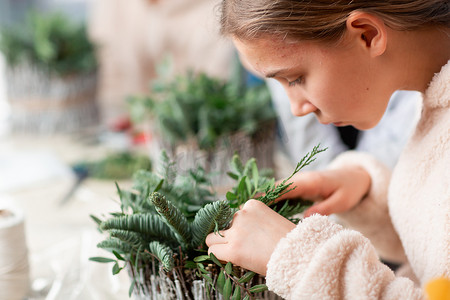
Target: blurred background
x,y
93,90
66,135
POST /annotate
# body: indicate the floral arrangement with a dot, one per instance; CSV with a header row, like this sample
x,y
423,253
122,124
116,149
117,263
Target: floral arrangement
x,y
159,234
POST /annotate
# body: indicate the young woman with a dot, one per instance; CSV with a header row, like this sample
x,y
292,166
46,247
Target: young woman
x,y
342,60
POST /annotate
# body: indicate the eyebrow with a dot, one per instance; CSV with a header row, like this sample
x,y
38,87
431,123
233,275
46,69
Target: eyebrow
x,y
274,73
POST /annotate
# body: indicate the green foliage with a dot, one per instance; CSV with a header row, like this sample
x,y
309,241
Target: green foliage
x,y
164,222
206,109
173,217
212,217
163,253
251,185
50,42
147,226
116,166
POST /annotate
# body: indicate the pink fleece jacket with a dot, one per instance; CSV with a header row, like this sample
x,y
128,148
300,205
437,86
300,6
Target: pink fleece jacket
x,y
405,218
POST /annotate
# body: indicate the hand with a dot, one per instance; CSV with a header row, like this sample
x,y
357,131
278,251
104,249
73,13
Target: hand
x,y
334,191
256,230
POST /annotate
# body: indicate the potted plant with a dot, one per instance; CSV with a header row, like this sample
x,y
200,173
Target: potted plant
x,y
51,74
202,120
159,234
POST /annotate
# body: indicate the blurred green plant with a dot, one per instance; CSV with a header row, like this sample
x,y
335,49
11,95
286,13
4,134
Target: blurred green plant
x,y
116,166
50,42
165,218
200,107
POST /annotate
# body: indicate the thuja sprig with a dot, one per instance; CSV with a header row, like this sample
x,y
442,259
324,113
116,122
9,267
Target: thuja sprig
x,y
274,192
252,185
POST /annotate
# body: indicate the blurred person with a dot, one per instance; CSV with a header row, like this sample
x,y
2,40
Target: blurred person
x,y
136,36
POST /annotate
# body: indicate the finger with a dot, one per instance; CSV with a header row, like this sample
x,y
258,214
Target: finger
x,y
216,238
306,185
220,251
331,205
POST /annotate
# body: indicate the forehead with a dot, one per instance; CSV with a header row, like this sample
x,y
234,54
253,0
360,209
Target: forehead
x,y
268,53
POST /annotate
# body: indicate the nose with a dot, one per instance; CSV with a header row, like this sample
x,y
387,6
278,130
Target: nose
x,y
301,108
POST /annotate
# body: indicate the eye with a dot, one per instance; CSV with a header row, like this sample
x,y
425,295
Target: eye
x,y
296,81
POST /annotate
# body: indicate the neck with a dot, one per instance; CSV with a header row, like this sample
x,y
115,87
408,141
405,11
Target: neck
x,y
422,54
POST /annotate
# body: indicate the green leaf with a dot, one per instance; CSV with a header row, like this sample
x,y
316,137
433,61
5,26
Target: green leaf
x,y
201,268
201,258
116,254
227,289
233,175
229,268
258,288
208,288
237,293
231,196
236,164
220,281
116,269
130,290
246,277
190,265
101,259
255,176
158,187
249,187
215,260
208,278
247,297
242,187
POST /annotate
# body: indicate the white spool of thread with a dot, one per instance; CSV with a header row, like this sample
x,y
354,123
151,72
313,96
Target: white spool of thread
x,y
14,267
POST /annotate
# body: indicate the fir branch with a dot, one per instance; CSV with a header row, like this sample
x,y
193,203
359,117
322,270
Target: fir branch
x,y
133,239
148,224
167,171
214,216
173,217
163,253
115,244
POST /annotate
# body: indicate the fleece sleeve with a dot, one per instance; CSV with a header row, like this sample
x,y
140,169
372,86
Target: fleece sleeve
x,y
320,259
371,216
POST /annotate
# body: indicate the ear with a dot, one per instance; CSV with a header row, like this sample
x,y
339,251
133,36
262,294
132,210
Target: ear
x,y
369,31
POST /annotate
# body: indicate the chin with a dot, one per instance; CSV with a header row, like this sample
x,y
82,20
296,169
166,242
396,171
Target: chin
x,y
364,126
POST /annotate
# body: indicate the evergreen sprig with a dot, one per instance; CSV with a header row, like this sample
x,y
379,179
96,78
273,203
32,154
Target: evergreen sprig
x,y
163,253
199,107
173,217
251,185
156,228
213,217
147,224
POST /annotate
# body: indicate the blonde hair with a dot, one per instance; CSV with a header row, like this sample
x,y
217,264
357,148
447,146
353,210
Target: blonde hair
x,y
324,19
